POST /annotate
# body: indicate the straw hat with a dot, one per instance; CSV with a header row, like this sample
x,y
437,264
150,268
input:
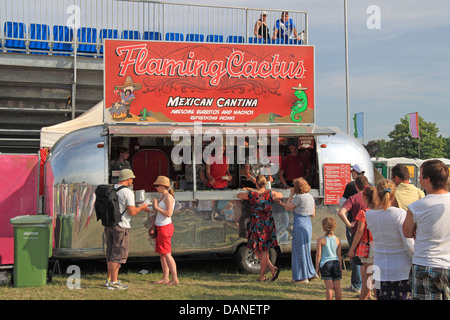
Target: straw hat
x,y
126,174
162,181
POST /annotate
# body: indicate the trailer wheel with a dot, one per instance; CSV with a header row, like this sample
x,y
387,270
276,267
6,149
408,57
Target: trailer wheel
x,y
247,260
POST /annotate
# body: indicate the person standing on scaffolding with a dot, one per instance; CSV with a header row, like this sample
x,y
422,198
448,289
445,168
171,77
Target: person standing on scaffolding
x,y
261,29
285,28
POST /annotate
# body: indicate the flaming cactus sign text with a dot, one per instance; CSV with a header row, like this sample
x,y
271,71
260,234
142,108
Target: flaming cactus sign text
x,y
221,83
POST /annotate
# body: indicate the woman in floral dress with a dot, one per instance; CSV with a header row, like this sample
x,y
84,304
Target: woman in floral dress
x,y
262,232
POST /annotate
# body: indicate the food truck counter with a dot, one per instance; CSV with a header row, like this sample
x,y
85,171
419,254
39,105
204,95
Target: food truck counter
x,y
213,195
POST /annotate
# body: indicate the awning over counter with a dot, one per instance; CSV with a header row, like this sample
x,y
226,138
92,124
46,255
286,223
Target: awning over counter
x,y
241,130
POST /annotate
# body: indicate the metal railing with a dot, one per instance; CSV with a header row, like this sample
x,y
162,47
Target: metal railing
x,y
78,27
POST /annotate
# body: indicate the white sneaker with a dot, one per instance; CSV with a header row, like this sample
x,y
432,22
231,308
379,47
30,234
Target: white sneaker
x,y
117,285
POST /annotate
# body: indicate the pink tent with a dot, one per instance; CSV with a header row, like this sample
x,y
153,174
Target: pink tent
x,y
18,196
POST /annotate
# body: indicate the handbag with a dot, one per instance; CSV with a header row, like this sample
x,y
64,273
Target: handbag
x,y
152,232
362,250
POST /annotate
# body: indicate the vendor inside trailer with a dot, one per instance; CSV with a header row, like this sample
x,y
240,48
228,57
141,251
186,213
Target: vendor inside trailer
x,y
190,160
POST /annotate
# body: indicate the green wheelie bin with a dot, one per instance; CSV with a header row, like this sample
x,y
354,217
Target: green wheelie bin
x,y
32,249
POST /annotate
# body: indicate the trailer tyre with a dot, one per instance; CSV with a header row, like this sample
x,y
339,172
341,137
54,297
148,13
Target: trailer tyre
x,y
247,260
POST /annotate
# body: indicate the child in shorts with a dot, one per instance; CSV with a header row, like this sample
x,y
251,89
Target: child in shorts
x,y
328,259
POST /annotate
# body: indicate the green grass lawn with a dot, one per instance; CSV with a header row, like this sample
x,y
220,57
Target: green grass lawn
x,y
199,280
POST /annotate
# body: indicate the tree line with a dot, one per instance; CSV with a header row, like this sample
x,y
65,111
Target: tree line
x,y
402,144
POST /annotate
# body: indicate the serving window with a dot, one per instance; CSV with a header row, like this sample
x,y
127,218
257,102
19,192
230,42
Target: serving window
x,y
163,150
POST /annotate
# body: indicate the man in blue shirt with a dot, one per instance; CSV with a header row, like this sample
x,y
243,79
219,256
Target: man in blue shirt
x,y
284,27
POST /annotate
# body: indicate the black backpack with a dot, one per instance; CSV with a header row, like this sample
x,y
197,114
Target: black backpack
x,y
107,205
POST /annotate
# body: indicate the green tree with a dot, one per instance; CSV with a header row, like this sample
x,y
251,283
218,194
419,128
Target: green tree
x,y
376,148
402,144
446,148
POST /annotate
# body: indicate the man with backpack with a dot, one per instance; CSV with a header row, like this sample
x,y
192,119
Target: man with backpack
x,y
117,236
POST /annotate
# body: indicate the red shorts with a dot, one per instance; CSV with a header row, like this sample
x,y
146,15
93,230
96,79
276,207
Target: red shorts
x,y
163,238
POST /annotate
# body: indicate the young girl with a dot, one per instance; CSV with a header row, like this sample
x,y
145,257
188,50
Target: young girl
x,y
328,259
362,236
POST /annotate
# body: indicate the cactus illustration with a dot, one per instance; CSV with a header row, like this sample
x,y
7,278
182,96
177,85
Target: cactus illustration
x,y
144,114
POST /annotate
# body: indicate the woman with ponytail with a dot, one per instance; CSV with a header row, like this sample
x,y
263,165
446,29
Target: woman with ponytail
x,y
393,252
164,229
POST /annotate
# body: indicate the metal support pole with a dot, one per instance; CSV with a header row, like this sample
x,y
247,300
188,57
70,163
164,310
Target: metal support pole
x,y
346,68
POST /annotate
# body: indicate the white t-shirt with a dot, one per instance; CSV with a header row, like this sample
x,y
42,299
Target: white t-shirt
x,y
162,220
126,198
304,204
393,252
432,216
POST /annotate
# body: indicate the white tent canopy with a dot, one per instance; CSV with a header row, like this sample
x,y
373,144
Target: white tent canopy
x,y
92,117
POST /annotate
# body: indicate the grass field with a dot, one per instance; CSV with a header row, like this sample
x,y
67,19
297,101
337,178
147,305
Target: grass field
x,y
199,280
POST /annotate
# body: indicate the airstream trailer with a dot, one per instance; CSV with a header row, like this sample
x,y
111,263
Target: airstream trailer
x,y
261,93
207,223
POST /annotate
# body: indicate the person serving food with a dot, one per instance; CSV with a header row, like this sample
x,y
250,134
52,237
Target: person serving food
x,y
217,171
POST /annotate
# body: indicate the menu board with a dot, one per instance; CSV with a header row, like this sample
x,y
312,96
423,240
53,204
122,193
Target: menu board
x,y
336,177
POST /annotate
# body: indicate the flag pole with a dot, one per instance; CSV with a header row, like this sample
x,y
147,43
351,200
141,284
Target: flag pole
x,y
346,67
418,146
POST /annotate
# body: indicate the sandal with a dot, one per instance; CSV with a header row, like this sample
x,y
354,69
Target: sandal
x,y
275,276
265,279
162,281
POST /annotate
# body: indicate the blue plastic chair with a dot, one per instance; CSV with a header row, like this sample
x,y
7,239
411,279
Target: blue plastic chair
x,y
214,38
195,37
16,30
174,36
130,35
255,40
86,36
39,32
107,34
294,41
235,39
62,33
152,35
277,41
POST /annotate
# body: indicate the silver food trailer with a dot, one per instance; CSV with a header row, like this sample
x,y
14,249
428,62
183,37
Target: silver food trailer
x,y
154,88
207,223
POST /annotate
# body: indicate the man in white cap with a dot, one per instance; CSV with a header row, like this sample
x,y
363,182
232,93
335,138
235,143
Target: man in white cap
x,y
350,189
118,236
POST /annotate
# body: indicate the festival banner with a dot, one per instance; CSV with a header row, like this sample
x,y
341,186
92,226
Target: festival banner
x,y
358,120
177,82
413,121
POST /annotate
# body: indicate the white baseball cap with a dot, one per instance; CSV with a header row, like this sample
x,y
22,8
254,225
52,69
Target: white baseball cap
x,y
358,167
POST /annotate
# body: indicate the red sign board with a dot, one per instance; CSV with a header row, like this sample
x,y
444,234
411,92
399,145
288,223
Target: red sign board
x,y
154,81
336,177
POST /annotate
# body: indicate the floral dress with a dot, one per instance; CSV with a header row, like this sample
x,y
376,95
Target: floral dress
x,y
262,231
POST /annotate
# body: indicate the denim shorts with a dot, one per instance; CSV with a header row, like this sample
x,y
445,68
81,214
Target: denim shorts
x,y
331,270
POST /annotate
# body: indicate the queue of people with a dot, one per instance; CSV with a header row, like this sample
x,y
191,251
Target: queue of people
x,y
408,235
401,236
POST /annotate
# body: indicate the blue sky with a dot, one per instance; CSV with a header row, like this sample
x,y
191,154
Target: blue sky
x,y
400,68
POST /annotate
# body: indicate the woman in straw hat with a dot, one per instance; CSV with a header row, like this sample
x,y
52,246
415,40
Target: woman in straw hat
x,y
164,229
